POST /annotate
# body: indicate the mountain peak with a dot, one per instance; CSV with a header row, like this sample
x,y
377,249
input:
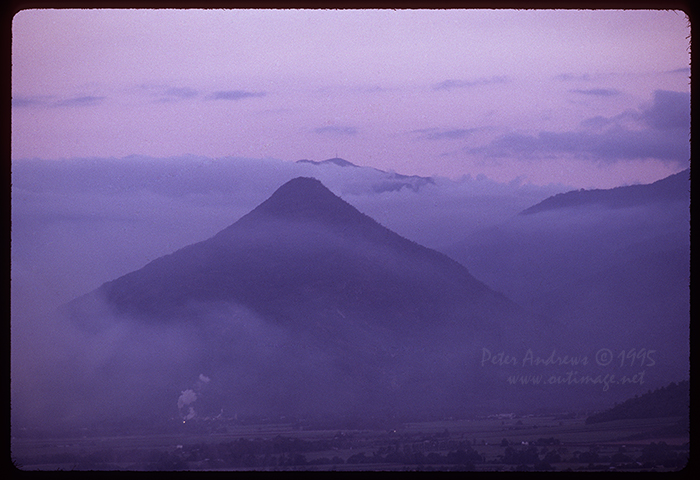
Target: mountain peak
x,y
306,198
301,186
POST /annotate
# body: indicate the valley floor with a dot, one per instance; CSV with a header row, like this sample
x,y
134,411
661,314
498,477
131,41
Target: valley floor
x,y
490,444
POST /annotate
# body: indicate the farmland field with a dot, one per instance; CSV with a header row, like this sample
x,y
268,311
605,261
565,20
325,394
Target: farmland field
x,y
486,444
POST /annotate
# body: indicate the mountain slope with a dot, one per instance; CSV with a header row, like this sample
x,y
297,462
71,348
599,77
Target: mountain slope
x,y
307,305
670,401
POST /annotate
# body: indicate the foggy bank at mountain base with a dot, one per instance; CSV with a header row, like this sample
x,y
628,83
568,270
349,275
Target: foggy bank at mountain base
x,y
130,371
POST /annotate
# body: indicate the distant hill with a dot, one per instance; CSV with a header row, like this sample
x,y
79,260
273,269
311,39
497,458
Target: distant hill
x,y
672,188
670,401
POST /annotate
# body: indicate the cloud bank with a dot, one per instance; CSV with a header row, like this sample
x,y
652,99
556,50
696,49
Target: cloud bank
x,y
657,131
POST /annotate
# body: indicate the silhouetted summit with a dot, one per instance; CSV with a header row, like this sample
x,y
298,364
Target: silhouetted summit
x,y
305,203
305,198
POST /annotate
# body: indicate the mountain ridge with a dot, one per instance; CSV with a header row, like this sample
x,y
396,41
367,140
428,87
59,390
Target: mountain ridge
x,y
671,188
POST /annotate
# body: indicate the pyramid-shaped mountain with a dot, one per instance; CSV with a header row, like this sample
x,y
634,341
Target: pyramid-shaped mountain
x,y
302,253
306,304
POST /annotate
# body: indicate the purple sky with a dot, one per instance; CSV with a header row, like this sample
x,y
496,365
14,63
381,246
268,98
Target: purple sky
x,y
582,98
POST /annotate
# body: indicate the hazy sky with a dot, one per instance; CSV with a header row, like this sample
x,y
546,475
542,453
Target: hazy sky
x,y
583,98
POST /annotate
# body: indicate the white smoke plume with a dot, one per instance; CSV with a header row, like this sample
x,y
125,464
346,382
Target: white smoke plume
x,y
189,396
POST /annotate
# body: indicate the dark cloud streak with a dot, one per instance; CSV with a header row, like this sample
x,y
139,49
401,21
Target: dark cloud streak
x,y
167,93
46,101
600,92
183,92
442,134
234,95
567,77
684,70
174,94
452,84
24,102
336,130
83,101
